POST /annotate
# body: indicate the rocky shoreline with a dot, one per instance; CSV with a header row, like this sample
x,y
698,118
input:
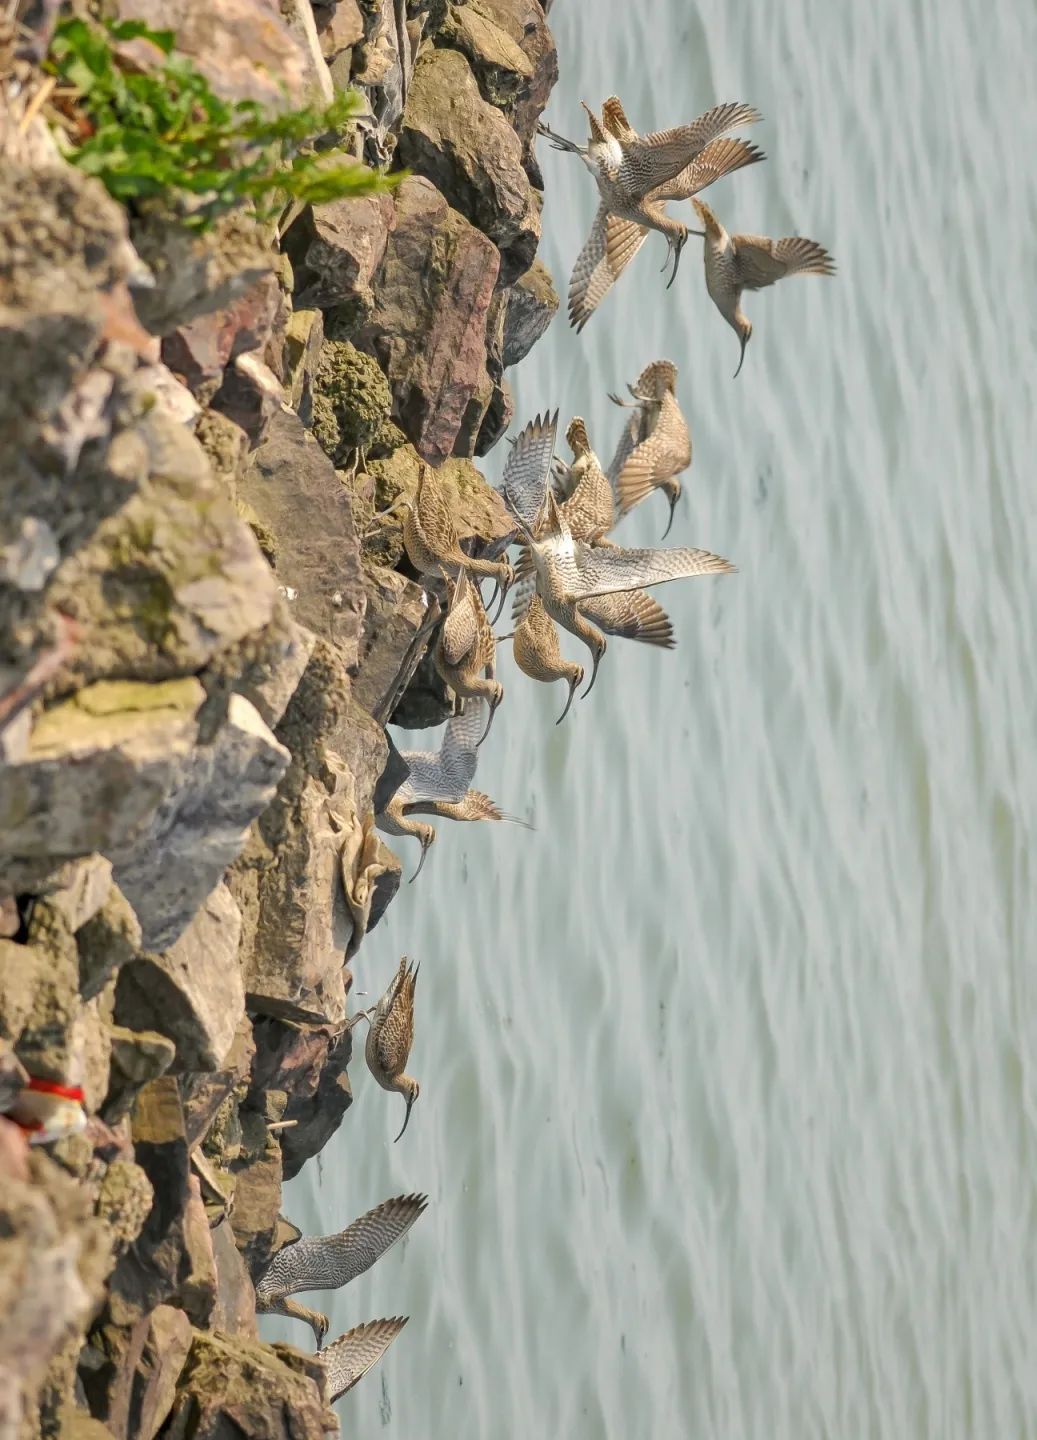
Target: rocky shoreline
x,y
205,625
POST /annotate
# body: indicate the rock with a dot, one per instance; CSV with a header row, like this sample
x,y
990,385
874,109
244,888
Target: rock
x,y
240,1386
235,1310
202,1094
294,490
257,1203
196,273
301,23
469,151
426,701
243,48
428,326
155,1266
99,767
303,926
192,993
361,743
304,337
310,1063
397,626
78,1425
524,21
532,303
124,1200
108,940
501,68
129,1374
171,580
13,1076
198,1290
336,250
392,777
137,1058
200,351
351,400
226,449
477,512
84,891
340,26
277,661
50,1044
203,824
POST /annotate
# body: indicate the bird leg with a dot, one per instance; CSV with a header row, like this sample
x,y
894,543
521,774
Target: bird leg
x,y
623,404
558,141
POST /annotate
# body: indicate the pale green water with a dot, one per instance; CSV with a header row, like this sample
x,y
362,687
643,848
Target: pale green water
x,y
728,1110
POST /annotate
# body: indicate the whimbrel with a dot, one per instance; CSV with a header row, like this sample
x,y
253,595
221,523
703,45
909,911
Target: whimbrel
x,y
570,571
655,446
348,1359
751,262
636,176
466,650
439,781
390,1034
327,1262
537,653
588,511
430,538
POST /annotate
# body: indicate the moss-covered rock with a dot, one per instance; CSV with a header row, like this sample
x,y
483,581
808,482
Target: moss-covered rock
x,y
351,399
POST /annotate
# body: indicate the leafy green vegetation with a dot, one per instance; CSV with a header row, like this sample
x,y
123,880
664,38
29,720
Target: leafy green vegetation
x,y
162,132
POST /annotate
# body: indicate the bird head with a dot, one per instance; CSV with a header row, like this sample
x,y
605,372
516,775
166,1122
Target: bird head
x,y
673,494
745,330
575,681
655,380
576,435
410,1090
425,834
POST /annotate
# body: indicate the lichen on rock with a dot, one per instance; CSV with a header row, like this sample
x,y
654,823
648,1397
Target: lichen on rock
x,y
351,399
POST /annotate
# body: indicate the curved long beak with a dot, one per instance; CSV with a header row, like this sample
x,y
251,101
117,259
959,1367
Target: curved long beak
x,y
406,1118
502,590
741,359
572,693
678,246
673,506
594,673
489,722
426,846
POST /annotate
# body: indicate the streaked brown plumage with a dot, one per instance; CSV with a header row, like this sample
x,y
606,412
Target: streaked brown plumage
x,y
629,167
430,539
588,511
466,651
537,653
390,1035
617,234
656,446
327,1262
751,262
348,1359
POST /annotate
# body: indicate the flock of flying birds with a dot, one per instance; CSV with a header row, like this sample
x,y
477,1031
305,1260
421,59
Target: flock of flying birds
x,y
569,573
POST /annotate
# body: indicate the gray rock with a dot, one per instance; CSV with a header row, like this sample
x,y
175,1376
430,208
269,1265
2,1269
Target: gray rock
x,y
202,823
235,1310
292,487
137,1058
532,304
240,1386
106,941
397,626
192,993
303,338
466,147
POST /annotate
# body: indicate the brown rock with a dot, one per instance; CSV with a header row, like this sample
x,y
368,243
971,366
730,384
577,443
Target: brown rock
x,y
192,993
397,626
199,352
13,1076
532,303
137,1058
292,487
524,21
107,941
361,742
428,326
235,1310
336,250
198,1291
464,145
129,1373
339,27
257,1204
236,1387
196,273
303,338
243,47
203,1094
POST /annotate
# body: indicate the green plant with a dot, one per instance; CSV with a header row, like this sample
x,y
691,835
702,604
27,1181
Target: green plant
x,y
163,132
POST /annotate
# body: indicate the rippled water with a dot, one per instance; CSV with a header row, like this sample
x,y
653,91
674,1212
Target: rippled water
x,y
728,1109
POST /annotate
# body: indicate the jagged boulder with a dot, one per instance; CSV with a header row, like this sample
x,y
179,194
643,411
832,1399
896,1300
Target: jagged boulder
x,y
428,325
192,993
336,250
532,303
466,147
237,1386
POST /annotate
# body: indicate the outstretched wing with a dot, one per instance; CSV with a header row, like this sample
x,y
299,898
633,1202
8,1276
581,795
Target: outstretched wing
x,y
604,571
652,160
325,1262
633,615
349,1358
610,247
526,475
719,158
458,752
761,261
